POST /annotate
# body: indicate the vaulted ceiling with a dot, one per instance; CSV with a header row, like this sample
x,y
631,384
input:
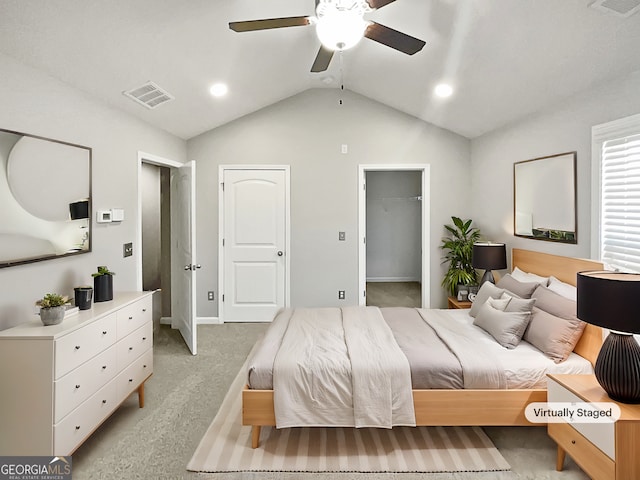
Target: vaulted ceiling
x,y
506,59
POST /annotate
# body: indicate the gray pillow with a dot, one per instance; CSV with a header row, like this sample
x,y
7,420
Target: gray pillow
x,y
518,304
521,289
487,290
506,327
555,304
554,336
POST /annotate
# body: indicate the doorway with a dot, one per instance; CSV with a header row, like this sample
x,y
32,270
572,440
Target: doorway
x,y
168,205
254,242
393,226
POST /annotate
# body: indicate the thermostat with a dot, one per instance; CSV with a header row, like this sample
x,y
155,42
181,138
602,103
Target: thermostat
x,y
103,216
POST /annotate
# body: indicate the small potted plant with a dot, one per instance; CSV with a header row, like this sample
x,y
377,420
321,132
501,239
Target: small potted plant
x,y
103,284
52,308
459,250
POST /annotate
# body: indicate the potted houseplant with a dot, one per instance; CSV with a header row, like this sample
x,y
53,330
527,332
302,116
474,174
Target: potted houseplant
x,y
103,284
52,308
458,247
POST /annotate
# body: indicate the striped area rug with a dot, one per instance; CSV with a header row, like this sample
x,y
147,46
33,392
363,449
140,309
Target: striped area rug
x,y
226,447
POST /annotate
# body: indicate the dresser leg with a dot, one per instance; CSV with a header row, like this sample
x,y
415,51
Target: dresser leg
x,y
141,395
255,436
560,459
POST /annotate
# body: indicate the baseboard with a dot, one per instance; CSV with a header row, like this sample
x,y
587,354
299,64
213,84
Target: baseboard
x,y
208,321
393,279
199,321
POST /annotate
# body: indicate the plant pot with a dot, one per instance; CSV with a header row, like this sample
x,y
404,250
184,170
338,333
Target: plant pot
x,y
103,288
52,315
83,297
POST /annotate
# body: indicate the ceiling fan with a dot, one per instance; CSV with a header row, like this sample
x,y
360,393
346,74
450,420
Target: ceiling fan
x,y
340,25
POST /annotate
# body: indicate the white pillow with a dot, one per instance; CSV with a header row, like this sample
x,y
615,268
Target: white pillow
x,y
529,277
499,303
562,288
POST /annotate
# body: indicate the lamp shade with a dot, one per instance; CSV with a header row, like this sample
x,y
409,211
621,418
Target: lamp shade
x,y
489,256
79,210
609,300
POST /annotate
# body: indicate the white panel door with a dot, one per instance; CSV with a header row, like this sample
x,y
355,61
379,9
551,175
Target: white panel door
x,y
183,252
254,241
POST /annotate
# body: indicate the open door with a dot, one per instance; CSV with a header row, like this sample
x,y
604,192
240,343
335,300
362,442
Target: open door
x,y
183,254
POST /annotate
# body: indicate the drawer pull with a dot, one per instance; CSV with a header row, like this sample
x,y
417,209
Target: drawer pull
x,y
77,347
144,338
131,380
573,442
130,318
77,427
77,386
104,401
104,367
144,310
130,348
104,332
144,366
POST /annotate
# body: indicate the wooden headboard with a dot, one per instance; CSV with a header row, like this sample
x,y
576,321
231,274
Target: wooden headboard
x,y
564,269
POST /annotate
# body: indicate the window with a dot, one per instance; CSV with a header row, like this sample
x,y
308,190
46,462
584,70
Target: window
x,y
616,194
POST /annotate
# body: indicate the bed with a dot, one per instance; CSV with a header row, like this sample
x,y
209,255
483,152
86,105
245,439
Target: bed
x,y
464,407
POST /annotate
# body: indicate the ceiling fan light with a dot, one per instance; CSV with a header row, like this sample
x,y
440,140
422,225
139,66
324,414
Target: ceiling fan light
x,y
443,90
340,30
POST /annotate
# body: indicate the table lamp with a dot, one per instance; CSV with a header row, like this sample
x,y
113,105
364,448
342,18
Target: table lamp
x,y
489,256
608,300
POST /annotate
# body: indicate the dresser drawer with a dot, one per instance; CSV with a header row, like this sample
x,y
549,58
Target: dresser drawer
x,y
602,435
134,345
134,316
76,348
595,463
79,384
80,423
134,374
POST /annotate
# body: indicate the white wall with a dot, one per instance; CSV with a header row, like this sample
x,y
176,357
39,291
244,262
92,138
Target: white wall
x,y
306,131
38,104
394,227
563,128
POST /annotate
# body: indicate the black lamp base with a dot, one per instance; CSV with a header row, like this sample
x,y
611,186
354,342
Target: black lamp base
x,y
618,368
487,277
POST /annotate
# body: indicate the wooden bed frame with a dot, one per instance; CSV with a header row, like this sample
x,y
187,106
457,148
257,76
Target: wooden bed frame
x,y
437,407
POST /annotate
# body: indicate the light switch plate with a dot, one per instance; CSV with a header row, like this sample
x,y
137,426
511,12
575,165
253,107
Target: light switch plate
x,y
342,236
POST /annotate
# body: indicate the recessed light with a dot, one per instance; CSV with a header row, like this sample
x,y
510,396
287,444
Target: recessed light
x,y
218,89
443,90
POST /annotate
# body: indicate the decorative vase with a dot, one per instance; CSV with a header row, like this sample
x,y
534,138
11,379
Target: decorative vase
x,y
52,315
83,297
103,288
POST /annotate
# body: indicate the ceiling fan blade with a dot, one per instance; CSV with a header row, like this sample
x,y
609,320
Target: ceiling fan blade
x,y
267,23
379,3
393,38
321,63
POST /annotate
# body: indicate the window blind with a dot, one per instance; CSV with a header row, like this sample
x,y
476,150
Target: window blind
x,y
620,204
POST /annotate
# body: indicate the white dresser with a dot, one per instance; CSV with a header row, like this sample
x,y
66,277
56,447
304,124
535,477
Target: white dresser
x,y
59,383
605,451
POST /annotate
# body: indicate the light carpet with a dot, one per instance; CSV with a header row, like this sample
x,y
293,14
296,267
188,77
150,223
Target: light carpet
x,y
226,447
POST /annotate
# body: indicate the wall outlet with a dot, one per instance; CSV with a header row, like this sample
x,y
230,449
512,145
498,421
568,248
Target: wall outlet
x,y
210,296
340,294
127,249
342,236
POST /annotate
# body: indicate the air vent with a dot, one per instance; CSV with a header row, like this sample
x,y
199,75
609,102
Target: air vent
x,y
621,8
150,95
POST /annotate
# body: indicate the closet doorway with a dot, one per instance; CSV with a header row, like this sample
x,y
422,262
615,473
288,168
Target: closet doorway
x,y
393,211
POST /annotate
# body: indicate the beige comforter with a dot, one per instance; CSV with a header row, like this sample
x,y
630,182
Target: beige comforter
x,y
341,367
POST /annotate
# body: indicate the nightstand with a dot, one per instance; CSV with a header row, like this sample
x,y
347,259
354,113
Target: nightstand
x,y
455,303
605,451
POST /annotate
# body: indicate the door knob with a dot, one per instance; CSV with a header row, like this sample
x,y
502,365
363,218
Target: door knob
x,y
280,253
187,267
